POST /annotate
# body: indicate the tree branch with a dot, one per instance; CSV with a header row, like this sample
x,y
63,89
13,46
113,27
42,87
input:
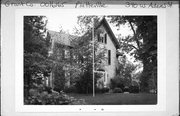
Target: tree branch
x,y
135,36
132,46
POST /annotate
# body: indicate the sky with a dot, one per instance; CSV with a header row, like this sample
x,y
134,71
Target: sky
x,y
68,22
56,22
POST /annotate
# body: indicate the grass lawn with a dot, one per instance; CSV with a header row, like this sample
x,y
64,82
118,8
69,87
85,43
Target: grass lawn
x,y
117,98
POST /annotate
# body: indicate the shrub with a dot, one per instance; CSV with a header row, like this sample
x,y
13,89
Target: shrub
x,y
98,90
85,82
117,82
71,89
134,89
117,90
105,90
59,78
48,89
126,89
39,96
102,90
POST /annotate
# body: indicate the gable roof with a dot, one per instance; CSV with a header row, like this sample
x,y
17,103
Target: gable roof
x,y
61,38
66,39
109,31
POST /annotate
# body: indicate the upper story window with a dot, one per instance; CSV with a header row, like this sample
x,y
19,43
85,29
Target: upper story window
x,y
66,53
109,57
58,54
102,38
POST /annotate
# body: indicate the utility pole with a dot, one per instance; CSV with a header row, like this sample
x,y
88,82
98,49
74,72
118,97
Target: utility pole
x,y
93,59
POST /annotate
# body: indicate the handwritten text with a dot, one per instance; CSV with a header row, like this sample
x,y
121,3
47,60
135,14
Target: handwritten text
x,y
150,5
90,5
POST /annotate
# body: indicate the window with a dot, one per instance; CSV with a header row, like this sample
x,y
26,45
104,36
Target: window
x,y
98,36
109,57
102,38
105,38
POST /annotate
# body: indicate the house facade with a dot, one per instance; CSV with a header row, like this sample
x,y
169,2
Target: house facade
x,y
107,40
60,50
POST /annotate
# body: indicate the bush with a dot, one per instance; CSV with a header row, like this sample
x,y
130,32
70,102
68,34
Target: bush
x,y
71,89
102,90
134,89
85,82
57,89
39,96
48,89
117,90
126,89
59,78
105,90
98,90
117,82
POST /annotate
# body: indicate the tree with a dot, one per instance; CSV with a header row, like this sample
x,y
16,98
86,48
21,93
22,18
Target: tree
x,y
124,70
62,65
37,65
142,45
59,78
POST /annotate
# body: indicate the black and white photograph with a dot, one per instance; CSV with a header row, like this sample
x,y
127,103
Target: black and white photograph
x,y
90,59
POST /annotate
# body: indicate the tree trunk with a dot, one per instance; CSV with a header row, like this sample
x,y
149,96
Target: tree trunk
x,y
145,76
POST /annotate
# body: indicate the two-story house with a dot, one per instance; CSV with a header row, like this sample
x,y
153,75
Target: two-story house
x,y
107,40
61,44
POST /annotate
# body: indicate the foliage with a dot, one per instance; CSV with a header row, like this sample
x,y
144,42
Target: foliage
x,y
86,23
40,96
37,65
102,90
59,78
124,71
85,82
62,65
117,90
83,52
134,89
83,61
71,89
117,82
142,45
126,89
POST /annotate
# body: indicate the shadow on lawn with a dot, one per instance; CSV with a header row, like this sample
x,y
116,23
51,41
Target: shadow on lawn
x,y
118,98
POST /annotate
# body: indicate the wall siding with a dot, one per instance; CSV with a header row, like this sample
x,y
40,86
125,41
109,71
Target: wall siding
x,y
110,69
